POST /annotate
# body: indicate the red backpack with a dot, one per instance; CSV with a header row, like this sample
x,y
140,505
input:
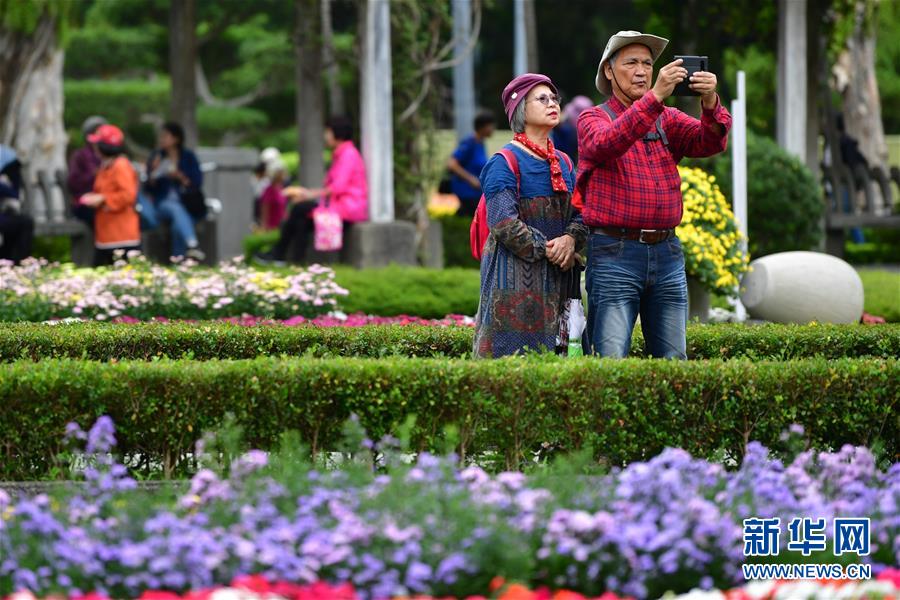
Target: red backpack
x,y
479,230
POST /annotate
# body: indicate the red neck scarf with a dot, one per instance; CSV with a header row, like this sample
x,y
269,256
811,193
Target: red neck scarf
x,y
548,154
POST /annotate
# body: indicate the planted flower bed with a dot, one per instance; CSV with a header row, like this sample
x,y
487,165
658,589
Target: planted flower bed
x,y
670,524
256,587
37,291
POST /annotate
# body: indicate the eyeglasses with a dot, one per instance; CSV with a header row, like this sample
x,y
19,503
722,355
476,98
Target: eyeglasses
x,y
547,99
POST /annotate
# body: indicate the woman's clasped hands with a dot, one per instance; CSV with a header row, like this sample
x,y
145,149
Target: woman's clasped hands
x,y
561,251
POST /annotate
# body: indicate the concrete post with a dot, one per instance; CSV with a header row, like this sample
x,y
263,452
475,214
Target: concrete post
x,y
377,110
792,64
464,71
520,46
739,170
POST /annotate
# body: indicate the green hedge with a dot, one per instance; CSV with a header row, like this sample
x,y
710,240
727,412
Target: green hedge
x,y
507,409
784,199
455,235
210,340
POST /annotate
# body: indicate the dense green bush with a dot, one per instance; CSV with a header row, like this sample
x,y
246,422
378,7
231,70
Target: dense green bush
x,y
121,101
881,246
624,409
213,122
211,340
55,248
259,242
394,290
784,201
455,234
99,52
125,101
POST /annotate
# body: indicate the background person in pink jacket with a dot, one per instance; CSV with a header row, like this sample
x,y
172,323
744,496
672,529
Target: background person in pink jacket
x,y
344,188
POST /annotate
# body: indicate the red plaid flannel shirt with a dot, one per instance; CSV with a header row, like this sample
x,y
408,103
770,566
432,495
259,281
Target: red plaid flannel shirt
x,y
628,182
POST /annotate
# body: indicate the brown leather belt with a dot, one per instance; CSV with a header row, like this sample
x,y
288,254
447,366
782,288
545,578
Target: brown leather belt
x,y
644,236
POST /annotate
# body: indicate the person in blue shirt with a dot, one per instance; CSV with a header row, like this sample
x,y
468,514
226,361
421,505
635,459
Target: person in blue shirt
x,y
173,172
466,163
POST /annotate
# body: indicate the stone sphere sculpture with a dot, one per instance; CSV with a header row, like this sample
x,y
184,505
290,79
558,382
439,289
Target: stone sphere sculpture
x,y
799,287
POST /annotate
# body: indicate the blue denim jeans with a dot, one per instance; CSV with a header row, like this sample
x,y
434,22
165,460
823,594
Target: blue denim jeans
x,y
172,211
625,278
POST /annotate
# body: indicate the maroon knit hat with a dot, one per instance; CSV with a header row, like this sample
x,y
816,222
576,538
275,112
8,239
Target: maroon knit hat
x,y
516,90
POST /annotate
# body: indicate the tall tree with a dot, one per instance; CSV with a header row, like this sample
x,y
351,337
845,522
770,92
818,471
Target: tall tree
x,y
310,101
31,103
336,104
182,66
855,79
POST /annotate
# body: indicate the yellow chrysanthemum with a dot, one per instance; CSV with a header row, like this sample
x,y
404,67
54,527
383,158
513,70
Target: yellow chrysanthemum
x,y
709,234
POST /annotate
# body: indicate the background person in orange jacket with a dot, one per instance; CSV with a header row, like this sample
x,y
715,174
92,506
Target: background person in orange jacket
x,y
116,224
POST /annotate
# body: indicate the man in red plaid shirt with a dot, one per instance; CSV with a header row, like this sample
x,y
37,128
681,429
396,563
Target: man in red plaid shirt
x,y
628,151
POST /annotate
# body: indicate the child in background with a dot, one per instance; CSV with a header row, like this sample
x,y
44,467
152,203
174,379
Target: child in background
x,y
272,203
116,224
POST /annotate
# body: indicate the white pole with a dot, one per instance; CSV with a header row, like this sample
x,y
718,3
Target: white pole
x,y
520,53
739,172
790,123
464,71
377,111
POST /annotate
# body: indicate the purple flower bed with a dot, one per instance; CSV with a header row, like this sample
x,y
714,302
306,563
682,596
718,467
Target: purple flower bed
x,y
671,523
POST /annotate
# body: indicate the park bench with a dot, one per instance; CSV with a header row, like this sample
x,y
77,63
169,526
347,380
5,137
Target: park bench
x,y
873,193
48,201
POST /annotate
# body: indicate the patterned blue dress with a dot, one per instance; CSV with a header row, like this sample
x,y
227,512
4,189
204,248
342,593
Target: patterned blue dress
x,y
522,293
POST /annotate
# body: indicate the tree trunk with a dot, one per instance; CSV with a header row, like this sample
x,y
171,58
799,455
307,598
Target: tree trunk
x,y
31,98
182,61
862,105
336,103
310,103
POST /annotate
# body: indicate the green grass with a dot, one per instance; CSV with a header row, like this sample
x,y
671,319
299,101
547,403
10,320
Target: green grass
x,y
882,293
394,290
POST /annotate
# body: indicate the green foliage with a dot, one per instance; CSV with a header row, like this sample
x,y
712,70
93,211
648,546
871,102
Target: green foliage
x,y
217,340
625,409
887,64
783,198
871,252
53,248
882,293
259,242
24,17
455,234
427,293
214,122
121,101
101,52
760,66
416,30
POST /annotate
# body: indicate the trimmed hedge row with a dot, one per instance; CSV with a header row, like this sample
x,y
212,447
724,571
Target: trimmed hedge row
x,y
103,341
510,409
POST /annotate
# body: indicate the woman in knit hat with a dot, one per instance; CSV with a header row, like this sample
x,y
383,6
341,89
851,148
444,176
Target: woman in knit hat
x,y
535,230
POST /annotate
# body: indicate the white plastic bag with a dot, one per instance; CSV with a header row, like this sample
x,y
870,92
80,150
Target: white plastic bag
x,y
577,320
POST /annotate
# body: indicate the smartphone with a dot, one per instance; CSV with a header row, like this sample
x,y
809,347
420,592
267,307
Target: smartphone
x,y
692,64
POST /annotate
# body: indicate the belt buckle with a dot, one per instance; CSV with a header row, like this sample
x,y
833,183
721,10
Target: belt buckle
x,y
643,231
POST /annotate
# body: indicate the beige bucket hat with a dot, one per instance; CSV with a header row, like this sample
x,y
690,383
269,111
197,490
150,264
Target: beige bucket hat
x,y
620,40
